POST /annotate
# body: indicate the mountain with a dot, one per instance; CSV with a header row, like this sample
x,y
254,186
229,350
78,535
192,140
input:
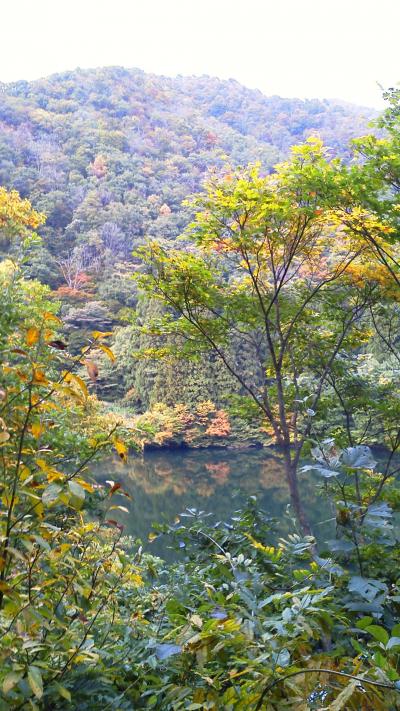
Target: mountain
x,y
109,154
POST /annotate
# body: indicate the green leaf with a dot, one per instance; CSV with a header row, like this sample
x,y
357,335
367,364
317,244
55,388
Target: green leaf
x,y
357,646
163,651
379,633
63,692
368,588
10,680
380,660
51,494
77,494
364,622
359,457
393,642
35,681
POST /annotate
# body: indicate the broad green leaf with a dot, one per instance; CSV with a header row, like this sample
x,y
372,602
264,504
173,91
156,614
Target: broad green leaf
x,y
357,646
379,633
163,651
35,681
77,494
51,494
359,457
368,588
364,622
380,660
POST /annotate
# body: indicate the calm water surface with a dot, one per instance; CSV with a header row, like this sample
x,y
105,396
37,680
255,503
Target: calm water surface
x,y
163,484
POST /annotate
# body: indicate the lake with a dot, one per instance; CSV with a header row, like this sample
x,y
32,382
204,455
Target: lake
x,y
163,483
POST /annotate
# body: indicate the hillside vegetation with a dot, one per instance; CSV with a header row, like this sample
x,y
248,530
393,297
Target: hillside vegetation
x,y
108,155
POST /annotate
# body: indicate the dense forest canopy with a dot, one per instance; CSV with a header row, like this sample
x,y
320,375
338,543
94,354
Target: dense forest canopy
x,y
109,155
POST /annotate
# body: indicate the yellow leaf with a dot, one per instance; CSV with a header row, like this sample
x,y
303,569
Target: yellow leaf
x,y
54,475
121,449
32,336
25,472
72,378
136,579
46,406
84,484
43,465
36,429
101,334
39,510
107,351
51,317
51,473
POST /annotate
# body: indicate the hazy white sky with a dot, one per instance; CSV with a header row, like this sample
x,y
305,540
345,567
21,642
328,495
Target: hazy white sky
x,y
304,48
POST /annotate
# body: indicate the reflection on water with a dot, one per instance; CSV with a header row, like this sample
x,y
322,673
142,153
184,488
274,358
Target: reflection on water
x,y
162,484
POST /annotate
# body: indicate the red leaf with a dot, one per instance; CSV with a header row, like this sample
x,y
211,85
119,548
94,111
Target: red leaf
x,y
60,345
114,488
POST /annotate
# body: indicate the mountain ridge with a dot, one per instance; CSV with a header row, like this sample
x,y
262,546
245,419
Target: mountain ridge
x,y
109,155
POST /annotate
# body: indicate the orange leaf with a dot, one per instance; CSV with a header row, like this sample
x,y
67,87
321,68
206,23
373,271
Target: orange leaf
x,y
39,377
92,370
32,336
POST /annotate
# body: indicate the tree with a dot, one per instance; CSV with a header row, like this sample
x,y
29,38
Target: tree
x,y
273,266
379,185
17,217
60,571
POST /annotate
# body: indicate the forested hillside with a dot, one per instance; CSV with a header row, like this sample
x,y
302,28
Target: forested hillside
x,y
108,155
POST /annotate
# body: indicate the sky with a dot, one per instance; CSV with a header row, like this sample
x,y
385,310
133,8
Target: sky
x,y
295,48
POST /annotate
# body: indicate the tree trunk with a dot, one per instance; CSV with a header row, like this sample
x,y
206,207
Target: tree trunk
x,y
291,463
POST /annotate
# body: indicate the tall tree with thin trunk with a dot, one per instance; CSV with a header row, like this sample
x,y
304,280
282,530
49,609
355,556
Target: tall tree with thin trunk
x,y
271,266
